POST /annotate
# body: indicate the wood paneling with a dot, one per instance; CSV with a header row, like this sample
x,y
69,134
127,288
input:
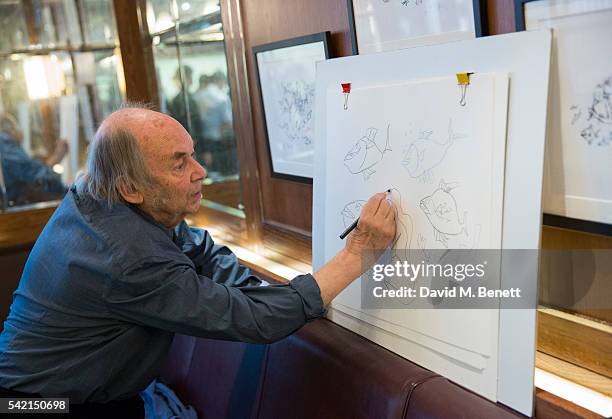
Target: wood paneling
x,y
22,228
574,373
292,244
287,203
236,52
549,406
224,193
583,289
12,262
136,52
573,340
500,16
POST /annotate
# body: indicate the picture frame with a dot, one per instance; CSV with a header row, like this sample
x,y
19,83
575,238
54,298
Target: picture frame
x,y
286,81
412,29
579,135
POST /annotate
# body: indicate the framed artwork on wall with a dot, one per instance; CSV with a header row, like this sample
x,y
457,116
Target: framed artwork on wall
x,y
286,78
578,164
384,25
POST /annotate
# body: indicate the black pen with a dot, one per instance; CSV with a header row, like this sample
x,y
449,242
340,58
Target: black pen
x,y
353,225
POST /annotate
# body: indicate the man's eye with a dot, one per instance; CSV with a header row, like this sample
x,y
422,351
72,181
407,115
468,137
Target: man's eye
x,y
180,166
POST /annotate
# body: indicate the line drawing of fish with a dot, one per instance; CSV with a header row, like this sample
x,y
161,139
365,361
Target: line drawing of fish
x,y
351,211
440,208
425,153
366,154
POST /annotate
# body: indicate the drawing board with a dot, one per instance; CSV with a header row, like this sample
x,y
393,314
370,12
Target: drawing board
x,y
404,129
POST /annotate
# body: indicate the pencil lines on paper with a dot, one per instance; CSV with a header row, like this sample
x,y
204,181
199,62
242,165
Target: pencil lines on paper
x,y
366,153
441,211
407,2
296,108
598,125
425,153
404,229
351,211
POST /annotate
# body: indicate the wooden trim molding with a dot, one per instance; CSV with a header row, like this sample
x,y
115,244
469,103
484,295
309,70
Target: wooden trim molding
x,y
574,373
231,15
549,406
579,341
22,228
136,52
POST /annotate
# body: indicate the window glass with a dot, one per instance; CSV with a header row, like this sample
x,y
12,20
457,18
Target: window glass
x,y
191,65
14,32
160,15
51,100
99,22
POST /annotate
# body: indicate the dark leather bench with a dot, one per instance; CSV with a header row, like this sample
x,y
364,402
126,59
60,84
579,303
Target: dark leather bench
x,y
322,371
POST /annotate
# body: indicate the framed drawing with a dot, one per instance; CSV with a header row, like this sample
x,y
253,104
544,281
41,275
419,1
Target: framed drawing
x,y
384,25
286,79
578,169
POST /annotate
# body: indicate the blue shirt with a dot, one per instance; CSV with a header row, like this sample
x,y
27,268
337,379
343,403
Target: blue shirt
x,y
105,289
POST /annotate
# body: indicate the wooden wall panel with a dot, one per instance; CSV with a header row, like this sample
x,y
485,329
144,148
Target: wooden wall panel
x,y
500,16
11,262
285,203
136,52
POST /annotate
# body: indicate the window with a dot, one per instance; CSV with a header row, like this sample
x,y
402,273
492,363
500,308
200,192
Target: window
x,y
59,76
191,67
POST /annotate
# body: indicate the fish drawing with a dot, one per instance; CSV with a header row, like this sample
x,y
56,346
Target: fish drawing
x,y
425,153
366,154
351,211
440,208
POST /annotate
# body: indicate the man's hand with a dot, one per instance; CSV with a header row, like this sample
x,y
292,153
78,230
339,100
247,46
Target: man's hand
x,y
376,227
373,234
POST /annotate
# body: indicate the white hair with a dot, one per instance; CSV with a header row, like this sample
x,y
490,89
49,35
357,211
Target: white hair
x,y
114,158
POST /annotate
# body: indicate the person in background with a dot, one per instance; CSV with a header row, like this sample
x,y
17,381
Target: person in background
x,y
27,180
216,114
184,108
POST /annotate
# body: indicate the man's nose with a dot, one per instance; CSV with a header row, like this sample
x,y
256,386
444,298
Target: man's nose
x,y
199,173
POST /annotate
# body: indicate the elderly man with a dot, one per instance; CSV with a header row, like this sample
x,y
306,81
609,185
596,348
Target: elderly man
x,y
116,272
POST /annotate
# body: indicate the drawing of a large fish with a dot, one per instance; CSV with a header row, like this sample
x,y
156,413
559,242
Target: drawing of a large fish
x,y
366,154
425,153
440,208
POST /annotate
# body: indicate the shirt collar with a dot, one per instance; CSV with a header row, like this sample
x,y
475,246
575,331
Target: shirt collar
x,y
77,190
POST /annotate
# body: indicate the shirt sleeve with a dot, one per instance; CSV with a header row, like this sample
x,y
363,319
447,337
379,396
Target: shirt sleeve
x,y
213,261
171,295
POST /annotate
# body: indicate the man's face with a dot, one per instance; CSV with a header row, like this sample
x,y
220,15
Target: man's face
x,y
168,151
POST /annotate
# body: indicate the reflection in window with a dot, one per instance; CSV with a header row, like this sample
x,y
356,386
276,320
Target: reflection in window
x,y
14,32
99,21
191,71
54,90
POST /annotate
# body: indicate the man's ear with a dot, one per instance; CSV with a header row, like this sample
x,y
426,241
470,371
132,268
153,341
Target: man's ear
x,y
129,193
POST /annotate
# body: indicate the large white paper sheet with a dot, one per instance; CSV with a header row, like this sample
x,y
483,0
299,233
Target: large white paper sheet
x,y
416,139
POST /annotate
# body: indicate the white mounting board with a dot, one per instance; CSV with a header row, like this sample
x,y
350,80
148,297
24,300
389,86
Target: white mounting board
x,y
525,57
